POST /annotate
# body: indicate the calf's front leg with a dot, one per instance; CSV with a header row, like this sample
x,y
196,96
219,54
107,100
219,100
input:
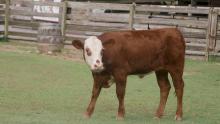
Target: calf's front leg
x,y
120,91
95,93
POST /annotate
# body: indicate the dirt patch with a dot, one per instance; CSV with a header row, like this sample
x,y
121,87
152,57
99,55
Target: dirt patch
x,y
218,64
68,52
11,48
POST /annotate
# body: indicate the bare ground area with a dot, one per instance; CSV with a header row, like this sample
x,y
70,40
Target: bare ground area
x,y
68,52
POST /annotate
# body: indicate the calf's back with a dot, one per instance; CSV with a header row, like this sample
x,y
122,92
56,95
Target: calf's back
x,y
143,51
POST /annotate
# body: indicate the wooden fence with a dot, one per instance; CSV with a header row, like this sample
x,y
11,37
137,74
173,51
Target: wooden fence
x,y
80,20
93,19
2,13
21,22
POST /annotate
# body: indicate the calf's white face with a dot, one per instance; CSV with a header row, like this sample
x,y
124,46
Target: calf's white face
x,y
93,53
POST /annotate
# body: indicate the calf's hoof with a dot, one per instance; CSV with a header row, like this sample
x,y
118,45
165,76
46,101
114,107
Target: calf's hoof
x,y
178,118
156,118
120,118
86,115
158,115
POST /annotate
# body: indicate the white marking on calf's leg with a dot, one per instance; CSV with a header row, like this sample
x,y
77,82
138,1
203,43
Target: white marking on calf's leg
x,y
178,118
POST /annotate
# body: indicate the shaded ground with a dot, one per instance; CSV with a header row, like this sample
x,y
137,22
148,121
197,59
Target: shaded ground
x,y
43,89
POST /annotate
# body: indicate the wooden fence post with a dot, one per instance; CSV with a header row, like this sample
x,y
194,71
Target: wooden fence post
x,y
63,20
214,29
211,31
7,4
189,7
214,26
131,15
207,34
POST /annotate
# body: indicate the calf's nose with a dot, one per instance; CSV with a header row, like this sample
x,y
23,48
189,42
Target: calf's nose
x,y
97,61
95,65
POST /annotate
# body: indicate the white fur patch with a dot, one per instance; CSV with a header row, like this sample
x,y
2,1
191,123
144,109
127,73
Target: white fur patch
x,y
95,47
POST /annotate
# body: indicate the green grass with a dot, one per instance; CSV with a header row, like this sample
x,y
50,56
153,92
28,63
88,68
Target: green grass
x,y
36,89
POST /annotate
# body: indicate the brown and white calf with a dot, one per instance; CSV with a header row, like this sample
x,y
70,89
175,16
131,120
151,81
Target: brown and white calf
x,y
113,56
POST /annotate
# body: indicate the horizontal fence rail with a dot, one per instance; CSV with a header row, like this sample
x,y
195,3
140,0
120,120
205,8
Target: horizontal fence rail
x,y
79,20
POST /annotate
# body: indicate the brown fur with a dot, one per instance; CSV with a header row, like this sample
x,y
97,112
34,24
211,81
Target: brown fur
x,y
140,52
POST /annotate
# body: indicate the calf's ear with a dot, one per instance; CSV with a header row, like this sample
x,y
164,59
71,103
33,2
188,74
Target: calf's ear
x,y
78,44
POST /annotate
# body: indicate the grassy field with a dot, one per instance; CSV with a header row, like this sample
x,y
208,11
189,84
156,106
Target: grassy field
x,y
38,89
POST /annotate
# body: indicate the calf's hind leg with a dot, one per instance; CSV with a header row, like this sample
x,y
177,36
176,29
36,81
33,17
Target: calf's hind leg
x,y
179,86
164,84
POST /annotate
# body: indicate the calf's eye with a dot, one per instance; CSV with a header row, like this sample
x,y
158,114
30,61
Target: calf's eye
x,y
102,51
88,52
